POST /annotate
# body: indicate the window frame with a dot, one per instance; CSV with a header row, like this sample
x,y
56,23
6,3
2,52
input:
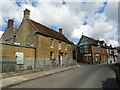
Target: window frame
x,y
59,45
85,49
51,43
66,46
51,55
66,55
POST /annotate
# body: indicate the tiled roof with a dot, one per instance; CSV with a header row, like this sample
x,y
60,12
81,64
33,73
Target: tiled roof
x,y
92,40
95,42
49,32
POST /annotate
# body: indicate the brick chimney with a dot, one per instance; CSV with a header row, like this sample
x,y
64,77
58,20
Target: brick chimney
x,y
10,23
105,44
26,14
60,30
110,45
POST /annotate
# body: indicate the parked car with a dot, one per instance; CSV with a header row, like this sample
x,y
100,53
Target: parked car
x,y
117,72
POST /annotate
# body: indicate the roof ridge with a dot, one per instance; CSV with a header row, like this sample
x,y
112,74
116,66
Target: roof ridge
x,y
90,38
43,25
44,30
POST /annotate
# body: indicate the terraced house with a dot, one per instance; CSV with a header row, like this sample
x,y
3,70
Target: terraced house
x,y
95,51
47,44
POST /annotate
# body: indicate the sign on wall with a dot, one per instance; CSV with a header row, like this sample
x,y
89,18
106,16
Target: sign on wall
x,y
20,58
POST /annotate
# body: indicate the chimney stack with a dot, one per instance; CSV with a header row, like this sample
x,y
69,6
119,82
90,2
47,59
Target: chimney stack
x,y
105,44
110,45
10,23
60,30
26,14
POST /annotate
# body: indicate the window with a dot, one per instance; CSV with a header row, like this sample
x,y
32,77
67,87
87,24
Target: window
x,y
94,49
59,45
85,49
20,57
51,43
99,48
81,50
51,55
65,46
65,55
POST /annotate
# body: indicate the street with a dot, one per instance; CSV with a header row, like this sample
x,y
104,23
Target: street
x,y
86,76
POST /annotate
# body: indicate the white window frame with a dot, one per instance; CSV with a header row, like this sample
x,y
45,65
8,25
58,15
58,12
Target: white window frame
x,y
20,57
66,56
51,57
59,45
65,46
51,43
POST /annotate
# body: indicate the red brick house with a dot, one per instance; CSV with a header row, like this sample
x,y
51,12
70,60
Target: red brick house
x,y
92,51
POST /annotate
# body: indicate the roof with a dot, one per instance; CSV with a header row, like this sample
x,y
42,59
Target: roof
x,y
93,41
49,32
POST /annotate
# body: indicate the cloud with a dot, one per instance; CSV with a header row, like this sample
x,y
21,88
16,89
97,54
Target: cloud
x,y
74,17
113,43
1,32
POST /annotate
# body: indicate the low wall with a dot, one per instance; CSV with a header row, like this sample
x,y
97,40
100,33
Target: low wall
x,y
10,55
46,63
8,58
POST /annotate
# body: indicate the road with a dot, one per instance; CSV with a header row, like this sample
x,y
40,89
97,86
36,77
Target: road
x,y
86,76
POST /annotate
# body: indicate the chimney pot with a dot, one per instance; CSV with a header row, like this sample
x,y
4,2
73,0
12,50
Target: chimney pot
x,y
10,23
26,13
60,30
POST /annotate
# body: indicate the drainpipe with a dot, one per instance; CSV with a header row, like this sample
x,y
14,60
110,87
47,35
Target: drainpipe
x,y
91,54
36,42
35,59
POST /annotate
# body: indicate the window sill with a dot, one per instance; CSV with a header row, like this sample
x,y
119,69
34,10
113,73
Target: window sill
x,y
51,47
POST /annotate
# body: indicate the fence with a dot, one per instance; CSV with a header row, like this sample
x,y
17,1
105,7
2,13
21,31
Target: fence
x,y
11,65
55,63
7,66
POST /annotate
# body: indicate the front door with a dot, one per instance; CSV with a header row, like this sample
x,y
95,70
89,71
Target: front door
x,y
60,59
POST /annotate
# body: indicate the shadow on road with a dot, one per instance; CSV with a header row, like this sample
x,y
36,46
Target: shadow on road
x,y
112,66
110,83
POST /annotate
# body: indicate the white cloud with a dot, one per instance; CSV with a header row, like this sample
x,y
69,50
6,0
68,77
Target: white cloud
x,y
1,32
113,43
69,16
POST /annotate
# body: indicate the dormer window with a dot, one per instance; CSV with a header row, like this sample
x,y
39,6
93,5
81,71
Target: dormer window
x,y
51,43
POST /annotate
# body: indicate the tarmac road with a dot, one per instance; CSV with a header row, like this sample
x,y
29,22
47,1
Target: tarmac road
x,y
87,76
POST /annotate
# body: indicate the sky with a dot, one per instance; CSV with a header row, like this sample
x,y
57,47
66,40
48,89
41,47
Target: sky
x,y
98,20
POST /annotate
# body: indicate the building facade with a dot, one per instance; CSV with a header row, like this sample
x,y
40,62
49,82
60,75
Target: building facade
x,y
48,44
94,51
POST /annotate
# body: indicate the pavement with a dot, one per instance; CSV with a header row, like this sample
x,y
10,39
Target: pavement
x,y
11,81
100,76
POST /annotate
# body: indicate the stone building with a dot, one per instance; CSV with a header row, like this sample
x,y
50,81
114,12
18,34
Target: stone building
x,y
48,44
94,51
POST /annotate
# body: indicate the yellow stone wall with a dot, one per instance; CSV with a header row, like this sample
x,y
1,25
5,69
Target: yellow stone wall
x,y
43,48
10,51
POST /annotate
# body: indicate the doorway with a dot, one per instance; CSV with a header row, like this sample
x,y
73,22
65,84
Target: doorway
x,y
60,59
